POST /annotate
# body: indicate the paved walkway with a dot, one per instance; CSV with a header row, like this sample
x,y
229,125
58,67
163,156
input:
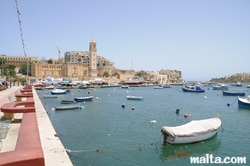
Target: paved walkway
x,y
54,151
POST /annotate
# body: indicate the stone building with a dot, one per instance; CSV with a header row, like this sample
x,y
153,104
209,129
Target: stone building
x,y
18,60
77,65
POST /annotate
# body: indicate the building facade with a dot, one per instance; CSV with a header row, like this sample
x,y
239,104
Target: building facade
x,y
77,65
18,60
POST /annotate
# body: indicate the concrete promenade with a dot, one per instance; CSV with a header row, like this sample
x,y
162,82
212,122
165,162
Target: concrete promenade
x,y
54,151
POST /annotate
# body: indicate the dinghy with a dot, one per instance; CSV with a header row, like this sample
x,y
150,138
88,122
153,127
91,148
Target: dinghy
x,y
134,97
231,93
79,99
59,91
67,101
67,107
194,131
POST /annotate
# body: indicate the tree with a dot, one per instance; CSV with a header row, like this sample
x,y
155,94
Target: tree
x,y
138,74
2,62
106,74
50,61
23,69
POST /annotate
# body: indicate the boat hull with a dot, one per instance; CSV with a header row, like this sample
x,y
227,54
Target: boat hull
x,y
80,99
243,102
183,140
190,90
134,97
67,101
67,107
225,93
59,91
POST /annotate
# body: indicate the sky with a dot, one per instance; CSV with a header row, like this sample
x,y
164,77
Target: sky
x,y
203,39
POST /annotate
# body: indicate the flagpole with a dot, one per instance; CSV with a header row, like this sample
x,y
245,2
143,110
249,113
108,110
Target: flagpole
x,y
20,27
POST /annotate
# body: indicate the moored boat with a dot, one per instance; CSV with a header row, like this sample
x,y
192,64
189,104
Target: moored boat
x,y
238,84
67,101
67,107
194,131
244,102
59,91
220,86
192,88
125,86
232,93
134,97
158,87
79,99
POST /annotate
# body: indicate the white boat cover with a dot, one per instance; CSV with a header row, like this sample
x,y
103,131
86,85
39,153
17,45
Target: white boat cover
x,y
194,128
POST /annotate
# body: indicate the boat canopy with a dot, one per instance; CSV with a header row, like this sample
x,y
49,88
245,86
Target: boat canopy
x,y
193,128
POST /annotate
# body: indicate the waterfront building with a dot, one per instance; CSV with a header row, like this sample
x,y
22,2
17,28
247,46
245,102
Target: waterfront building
x,y
18,60
97,65
169,76
76,65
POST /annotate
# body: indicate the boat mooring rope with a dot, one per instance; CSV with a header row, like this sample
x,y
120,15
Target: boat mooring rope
x,y
139,147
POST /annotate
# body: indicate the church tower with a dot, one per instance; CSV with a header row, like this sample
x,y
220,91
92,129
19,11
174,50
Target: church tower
x,y
92,58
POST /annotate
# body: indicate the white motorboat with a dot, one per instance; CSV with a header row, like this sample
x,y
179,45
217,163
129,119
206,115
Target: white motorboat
x,y
194,131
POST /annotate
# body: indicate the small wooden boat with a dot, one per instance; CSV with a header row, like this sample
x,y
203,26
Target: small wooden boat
x,y
166,86
192,88
158,87
67,107
49,96
134,97
67,101
79,99
194,131
125,86
231,93
59,91
220,86
244,102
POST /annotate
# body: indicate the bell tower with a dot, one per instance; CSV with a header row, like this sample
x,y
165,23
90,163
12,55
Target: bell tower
x,y
92,58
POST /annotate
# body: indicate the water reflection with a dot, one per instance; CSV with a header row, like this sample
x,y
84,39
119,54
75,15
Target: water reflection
x,y
170,152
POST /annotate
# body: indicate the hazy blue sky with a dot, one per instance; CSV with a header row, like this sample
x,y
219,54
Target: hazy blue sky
x,y
202,38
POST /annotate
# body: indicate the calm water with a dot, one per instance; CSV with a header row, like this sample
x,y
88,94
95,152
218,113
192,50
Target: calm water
x,y
103,133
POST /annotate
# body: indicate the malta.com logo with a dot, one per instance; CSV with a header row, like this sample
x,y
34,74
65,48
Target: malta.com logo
x,y
210,159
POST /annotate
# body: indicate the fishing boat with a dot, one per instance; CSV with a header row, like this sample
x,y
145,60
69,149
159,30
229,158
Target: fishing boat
x,y
245,102
220,86
49,96
67,101
166,86
177,84
232,93
158,87
194,131
79,99
59,91
125,86
67,107
134,97
192,88
238,84
247,86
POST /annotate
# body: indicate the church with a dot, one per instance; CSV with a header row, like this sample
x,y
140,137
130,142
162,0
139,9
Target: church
x,y
76,65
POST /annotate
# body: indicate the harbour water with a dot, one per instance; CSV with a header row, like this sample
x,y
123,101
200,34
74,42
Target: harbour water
x,y
101,132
